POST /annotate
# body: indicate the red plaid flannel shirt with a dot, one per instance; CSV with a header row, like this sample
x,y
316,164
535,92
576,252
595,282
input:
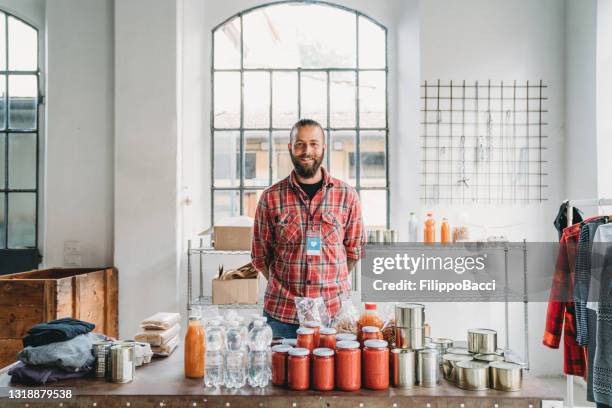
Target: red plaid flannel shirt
x,y
279,237
560,314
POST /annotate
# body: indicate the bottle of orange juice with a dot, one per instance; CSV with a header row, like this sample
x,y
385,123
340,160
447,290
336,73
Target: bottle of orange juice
x,y
194,349
445,232
429,234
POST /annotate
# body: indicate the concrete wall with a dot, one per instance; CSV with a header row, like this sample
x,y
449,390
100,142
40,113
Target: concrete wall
x,y
145,159
604,97
79,131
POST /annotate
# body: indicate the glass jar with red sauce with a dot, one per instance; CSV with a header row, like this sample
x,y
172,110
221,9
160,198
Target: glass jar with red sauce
x,y
327,338
305,338
298,369
316,326
369,318
323,369
348,365
376,364
370,333
279,364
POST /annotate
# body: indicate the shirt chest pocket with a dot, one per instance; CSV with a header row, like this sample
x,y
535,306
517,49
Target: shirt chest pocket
x,y
289,229
331,228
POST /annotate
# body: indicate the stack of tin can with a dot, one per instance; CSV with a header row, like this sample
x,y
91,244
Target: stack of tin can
x,y
115,360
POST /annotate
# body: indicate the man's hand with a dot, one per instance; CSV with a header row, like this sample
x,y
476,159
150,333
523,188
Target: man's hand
x,y
265,272
351,264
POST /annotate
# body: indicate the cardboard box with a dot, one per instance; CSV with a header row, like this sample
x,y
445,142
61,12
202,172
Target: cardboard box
x,y
235,291
233,238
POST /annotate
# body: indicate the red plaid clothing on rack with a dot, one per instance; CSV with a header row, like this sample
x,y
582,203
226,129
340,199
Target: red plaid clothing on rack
x,y
560,316
284,216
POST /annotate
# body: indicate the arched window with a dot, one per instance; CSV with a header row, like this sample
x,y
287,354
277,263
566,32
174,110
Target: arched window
x,y
19,99
270,67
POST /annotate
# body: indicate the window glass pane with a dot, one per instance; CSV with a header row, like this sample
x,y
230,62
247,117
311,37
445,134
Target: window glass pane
x,y
227,45
2,101
341,150
256,159
342,99
373,157
2,41
284,99
227,159
372,101
22,220
22,160
281,160
374,208
278,37
2,222
23,92
227,100
250,198
372,47
2,160
256,99
23,49
226,204
314,96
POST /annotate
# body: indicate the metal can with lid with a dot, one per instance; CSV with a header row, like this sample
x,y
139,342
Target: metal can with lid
x,y
427,368
101,350
505,376
482,341
410,315
123,365
403,362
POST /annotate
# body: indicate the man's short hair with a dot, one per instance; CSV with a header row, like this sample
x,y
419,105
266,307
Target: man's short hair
x,y
302,123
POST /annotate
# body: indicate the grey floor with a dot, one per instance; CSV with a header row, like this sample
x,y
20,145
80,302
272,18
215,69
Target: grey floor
x,y
579,390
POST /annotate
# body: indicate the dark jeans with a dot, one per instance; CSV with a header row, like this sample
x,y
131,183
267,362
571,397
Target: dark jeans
x,y
281,329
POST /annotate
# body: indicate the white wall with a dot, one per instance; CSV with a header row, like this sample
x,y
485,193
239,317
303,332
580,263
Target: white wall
x,y
78,167
146,225
604,97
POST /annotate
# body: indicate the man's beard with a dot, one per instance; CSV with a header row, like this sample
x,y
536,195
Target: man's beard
x,y
307,171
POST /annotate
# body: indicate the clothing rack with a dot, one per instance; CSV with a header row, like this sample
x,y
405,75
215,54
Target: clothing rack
x,y
596,202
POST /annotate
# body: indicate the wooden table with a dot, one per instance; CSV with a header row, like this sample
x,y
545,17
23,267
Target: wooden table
x,y
162,384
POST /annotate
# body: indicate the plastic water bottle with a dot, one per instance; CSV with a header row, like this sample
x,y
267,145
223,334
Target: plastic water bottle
x,y
214,364
413,228
235,362
259,343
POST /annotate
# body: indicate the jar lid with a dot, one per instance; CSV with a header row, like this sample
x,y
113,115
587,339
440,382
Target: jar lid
x,y
346,337
376,344
370,329
323,352
304,330
281,348
289,342
328,330
347,344
370,306
312,324
299,351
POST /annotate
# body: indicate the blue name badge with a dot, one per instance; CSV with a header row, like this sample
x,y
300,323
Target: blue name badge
x,y
313,245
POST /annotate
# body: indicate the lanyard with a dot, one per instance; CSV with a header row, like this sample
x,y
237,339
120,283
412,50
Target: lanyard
x,y
307,208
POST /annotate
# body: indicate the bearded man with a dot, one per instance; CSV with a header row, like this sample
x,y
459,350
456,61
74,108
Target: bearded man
x,y
308,233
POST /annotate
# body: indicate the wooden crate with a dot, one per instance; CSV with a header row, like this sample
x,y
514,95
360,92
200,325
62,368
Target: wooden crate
x,y
29,298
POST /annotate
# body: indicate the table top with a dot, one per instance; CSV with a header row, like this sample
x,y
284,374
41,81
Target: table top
x,y
164,377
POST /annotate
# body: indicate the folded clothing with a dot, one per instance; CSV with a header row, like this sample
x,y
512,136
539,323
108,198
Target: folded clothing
x,y
166,349
55,331
160,321
158,337
39,375
71,355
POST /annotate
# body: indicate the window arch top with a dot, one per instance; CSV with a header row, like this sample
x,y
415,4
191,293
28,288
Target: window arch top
x,y
281,36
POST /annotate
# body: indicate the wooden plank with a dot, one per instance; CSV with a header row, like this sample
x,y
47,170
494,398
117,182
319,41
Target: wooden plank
x,y
50,300
21,306
111,303
65,300
90,299
8,351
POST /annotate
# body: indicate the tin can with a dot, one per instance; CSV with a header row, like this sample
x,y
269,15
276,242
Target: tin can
x,y
403,366
123,365
101,351
427,368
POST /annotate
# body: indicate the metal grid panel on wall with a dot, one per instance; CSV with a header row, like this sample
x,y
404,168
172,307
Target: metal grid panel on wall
x,y
483,141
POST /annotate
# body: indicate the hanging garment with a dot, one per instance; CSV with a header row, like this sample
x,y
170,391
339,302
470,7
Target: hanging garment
x,y
582,280
55,331
560,318
591,347
561,219
601,268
